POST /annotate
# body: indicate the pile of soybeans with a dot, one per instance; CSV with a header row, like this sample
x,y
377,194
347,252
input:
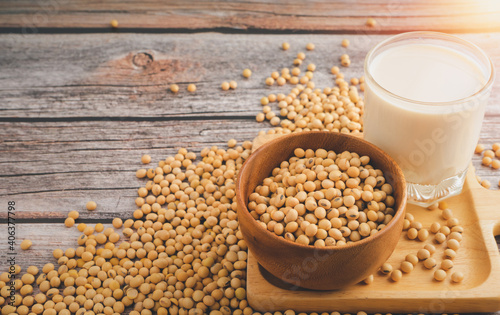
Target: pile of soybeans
x,y
183,252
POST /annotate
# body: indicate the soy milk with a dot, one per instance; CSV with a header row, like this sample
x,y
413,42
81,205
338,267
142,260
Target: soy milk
x,y
427,122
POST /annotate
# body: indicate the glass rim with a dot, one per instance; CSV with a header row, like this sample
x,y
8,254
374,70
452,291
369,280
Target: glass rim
x,y
434,35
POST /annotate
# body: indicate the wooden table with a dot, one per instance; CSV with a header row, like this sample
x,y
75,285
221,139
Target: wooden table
x,y
82,102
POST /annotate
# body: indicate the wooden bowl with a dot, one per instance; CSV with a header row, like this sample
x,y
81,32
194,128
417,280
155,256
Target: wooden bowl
x,y
304,265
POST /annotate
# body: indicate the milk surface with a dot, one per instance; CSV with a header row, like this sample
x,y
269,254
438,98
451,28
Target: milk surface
x,y
432,141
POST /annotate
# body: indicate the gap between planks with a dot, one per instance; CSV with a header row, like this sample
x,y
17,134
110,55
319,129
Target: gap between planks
x,y
184,117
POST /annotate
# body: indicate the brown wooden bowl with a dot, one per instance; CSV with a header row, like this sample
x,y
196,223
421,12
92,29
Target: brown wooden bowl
x,y
304,265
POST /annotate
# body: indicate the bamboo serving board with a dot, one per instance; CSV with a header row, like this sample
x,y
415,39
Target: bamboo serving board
x,y
478,258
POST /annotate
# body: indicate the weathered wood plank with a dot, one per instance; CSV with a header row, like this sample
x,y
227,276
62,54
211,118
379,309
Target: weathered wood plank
x,y
341,16
96,75
45,238
46,148
91,76
50,168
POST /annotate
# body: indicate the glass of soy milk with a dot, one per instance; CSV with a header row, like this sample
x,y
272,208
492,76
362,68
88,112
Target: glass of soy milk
x,y
425,97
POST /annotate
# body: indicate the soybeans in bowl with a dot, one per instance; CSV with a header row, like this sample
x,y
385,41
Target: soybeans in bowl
x,y
323,198
321,210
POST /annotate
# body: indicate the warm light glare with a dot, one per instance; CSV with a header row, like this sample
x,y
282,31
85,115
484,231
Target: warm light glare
x,y
481,14
488,5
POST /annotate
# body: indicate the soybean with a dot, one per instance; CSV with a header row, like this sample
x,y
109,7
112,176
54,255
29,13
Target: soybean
x,y
91,205
26,244
446,264
386,269
423,254
306,204
247,73
406,267
439,275
396,275
457,277
430,263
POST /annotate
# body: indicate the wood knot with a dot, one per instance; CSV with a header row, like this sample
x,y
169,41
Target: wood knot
x,y
142,60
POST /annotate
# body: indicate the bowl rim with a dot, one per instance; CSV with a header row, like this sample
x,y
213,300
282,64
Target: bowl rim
x,y
281,240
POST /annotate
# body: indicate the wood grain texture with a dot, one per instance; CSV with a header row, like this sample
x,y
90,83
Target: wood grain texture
x,y
98,76
45,238
478,259
77,111
30,16
52,168
127,75
60,135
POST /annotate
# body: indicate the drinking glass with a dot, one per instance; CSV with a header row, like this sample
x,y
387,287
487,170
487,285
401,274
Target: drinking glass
x,y
431,134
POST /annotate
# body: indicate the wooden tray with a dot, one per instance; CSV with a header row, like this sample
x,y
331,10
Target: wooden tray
x,y
478,258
